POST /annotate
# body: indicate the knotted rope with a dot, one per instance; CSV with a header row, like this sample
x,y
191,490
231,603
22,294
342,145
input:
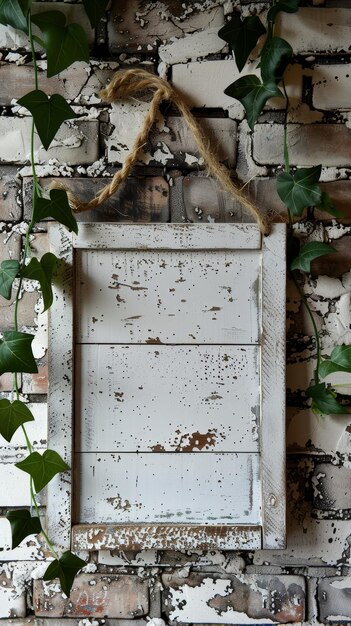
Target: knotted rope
x,y
134,83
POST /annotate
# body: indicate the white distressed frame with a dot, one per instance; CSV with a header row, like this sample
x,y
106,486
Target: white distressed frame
x,y
61,385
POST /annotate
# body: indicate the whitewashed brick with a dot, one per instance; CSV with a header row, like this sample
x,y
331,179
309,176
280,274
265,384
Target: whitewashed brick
x,y
16,81
29,549
11,605
36,430
211,599
329,144
313,30
334,600
332,87
75,143
125,597
192,46
307,432
331,486
15,483
203,83
12,39
174,144
132,26
10,207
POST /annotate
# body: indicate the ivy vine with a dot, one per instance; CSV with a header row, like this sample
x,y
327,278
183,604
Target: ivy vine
x,y
299,189
64,44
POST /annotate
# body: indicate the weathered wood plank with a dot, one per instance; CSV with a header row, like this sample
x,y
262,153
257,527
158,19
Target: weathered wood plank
x,y
60,399
273,388
168,237
168,297
167,398
150,488
165,537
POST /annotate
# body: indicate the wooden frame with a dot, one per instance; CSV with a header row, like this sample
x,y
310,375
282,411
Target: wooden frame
x,y
271,534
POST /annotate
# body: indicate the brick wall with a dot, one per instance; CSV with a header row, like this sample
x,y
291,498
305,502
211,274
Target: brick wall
x,y
309,581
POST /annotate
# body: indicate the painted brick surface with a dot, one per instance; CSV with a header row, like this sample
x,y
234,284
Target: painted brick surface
x,y
10,204
123,597
226,600
12,39
12,599
18,80
203,84
331,486
75,142
316,29
334,600
132,28
173,145
332,86
305,142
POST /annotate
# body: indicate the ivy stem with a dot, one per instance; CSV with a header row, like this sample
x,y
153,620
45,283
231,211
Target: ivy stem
x,y
315,329
36,81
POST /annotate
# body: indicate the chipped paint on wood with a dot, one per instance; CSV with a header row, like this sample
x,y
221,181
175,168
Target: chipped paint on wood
x,y
198,485
166,398
176,297
194,488
165,537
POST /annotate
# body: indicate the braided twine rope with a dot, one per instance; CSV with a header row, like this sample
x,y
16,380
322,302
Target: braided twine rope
x,y
135,83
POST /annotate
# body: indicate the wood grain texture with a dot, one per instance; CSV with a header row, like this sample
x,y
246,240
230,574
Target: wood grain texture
x,y
152,488
168,237
182,537
167,398
208,296
60,398
273,388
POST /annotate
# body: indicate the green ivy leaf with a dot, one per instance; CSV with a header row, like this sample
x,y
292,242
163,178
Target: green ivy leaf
x,y
13,13
287,6
301,189
42,271
242,36
64,44
16,353
275,57
8,272
22,525
48,113
340,361
253,95
327,205
95,10
324,400
12,416
57,207
42,468
308,252
66,568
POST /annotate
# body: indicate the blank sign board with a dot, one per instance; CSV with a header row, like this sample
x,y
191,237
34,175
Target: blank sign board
x,y
167,386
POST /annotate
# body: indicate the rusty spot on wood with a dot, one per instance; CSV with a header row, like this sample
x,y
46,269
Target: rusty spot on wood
x,y
119,396
214,396
197,441
158,448
153,340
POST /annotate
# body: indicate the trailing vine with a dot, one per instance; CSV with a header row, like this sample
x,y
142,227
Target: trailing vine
x,y
64,44
298,188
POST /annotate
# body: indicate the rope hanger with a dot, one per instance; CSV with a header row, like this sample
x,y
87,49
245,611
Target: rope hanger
x,y
134,83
